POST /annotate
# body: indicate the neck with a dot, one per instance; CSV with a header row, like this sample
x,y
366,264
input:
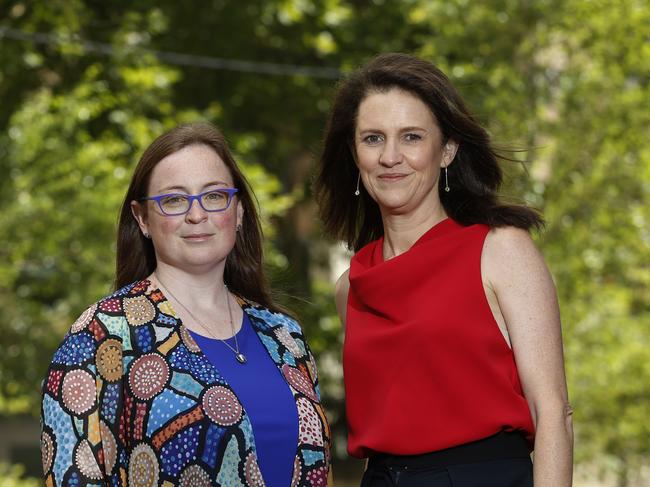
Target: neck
x,y
195,290
199,300
402,230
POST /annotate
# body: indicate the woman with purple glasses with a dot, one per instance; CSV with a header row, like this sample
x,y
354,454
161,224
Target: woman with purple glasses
x,y
189,373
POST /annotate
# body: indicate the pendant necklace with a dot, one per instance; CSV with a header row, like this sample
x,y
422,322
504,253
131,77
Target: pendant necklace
x,y
241,358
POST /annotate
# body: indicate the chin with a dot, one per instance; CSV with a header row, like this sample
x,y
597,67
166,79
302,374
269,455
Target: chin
x,y
199,259
394,204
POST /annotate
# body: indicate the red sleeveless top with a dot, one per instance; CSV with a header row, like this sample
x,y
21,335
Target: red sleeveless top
x,y
425,364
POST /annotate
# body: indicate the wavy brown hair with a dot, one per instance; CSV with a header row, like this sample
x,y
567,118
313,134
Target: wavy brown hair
x,y
474,176
136,259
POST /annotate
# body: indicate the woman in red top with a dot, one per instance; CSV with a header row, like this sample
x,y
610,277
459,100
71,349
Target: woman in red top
x,y
453,359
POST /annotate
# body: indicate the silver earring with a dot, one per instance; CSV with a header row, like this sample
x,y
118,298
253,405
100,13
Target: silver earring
x,y
238,226
446,180
146,235
357,192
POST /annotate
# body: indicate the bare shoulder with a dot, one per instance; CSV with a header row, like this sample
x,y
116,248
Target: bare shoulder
x,y
341,290
509,250
508,241
514,270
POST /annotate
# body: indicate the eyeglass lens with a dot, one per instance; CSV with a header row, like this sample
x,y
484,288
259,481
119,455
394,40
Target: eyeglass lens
x,y
180,203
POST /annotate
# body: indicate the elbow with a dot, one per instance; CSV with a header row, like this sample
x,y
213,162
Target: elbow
x,y
568,421
557,416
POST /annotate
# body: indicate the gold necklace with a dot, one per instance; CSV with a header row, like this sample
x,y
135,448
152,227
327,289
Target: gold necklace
x,y
241,358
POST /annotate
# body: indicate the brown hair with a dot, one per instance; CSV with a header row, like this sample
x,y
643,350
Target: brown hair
x,y
474,176
136,259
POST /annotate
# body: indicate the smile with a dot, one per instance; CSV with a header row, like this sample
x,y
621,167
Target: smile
x,y
392,176
199,237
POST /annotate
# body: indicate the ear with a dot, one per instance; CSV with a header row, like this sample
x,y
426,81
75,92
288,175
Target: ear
x,y
449,152
139,212
240,214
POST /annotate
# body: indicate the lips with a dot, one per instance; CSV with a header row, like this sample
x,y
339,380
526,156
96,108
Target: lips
x,y
392,176
197,236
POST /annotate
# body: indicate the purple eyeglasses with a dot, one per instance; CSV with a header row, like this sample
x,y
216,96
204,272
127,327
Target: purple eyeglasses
x,y
178,203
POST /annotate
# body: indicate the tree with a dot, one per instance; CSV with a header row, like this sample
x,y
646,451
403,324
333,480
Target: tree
x,y
69,154
595,185
565,81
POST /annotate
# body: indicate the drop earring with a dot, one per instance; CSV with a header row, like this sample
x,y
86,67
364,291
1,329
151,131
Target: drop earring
x,y
357,192
446,181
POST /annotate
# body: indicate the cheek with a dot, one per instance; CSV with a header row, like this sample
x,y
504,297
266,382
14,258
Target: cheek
x,y
225,222
427,161
165,225
366,157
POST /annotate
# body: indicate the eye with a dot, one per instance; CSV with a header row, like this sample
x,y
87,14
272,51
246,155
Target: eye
x,y
174,200
411,137
215,196
372,139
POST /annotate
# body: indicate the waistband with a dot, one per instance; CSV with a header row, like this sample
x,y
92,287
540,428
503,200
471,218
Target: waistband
x,y
503,445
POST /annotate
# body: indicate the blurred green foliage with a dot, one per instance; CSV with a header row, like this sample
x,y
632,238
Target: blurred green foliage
x,y
564,83
12,476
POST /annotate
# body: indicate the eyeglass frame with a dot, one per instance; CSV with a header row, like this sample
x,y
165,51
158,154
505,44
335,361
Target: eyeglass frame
x,y
191,198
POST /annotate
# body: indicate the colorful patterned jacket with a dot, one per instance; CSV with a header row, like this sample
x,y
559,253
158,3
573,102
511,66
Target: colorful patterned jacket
x,y
130,400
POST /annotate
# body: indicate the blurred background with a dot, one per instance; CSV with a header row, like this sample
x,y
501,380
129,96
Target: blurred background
x,y
86,85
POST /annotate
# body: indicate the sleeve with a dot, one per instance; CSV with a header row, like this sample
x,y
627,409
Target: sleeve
x,y
73,391
291,335
313,370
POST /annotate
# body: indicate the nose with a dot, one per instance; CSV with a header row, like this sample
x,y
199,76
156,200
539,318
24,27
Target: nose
x,y
196,213
391,153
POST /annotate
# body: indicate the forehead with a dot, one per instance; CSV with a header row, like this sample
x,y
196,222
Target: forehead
x,y
191,166
393,107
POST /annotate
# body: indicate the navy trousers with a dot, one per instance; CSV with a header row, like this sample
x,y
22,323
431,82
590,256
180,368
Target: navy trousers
x,y
499,461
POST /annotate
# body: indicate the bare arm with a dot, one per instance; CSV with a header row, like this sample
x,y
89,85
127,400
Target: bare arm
x,y
515,272
341,294
341,290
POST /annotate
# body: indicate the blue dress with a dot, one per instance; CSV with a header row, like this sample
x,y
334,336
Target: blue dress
x,y
266,397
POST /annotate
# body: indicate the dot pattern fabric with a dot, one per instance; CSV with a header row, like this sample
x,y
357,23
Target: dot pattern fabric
x,y
130,400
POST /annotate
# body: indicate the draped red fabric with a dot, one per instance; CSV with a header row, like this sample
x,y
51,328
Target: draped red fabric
x,y
425,364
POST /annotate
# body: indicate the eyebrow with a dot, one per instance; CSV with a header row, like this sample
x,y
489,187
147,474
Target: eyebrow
x,y
184,189
403,129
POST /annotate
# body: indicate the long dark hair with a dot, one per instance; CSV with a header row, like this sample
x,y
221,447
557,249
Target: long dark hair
x,y
474,176
136,259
